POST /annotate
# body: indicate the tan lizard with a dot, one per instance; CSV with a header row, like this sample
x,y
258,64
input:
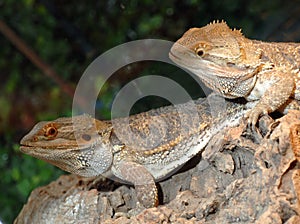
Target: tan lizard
x,y
234,66
90,147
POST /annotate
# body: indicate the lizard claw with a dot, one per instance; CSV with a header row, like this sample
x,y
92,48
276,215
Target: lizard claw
x,y
253,115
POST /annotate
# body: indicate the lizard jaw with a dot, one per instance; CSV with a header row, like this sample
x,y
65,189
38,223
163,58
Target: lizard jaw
x,y
212,74
87,162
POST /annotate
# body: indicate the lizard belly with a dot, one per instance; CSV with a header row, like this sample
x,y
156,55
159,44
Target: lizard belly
x,y
165,168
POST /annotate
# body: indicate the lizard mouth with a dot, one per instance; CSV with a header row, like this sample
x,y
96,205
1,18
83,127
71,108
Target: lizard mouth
x,y
188,61
204,67
183,63
27,148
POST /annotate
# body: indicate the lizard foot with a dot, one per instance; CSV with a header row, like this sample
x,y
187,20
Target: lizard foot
x,y
147,195
142,180
253,115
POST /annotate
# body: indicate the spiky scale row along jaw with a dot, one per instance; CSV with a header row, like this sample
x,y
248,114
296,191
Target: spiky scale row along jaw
x,y
234,66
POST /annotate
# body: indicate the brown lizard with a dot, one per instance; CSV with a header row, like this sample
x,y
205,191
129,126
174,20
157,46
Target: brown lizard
x,y
234,66
90,147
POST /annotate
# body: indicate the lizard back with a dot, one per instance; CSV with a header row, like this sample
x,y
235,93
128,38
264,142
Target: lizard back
x,y
164,139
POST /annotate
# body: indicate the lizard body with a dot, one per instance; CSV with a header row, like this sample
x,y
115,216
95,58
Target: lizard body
x,y
235,66
163,140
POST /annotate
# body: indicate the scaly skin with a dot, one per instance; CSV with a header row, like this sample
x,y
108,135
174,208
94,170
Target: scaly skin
x,y
234,66
162,140
295,139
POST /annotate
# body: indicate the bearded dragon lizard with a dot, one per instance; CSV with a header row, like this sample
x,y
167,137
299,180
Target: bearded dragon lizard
x,y
234,66
163,140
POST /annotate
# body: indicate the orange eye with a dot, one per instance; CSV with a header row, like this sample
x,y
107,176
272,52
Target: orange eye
x,y
51,132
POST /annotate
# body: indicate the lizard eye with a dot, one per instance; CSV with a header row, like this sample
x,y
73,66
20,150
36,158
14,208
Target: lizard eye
x,y
200,52
51,132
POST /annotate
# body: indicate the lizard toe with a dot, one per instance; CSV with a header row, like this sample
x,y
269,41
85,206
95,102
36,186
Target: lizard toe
x,y
252,118
253,115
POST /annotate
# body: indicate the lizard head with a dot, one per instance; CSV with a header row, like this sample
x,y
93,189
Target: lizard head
x,y
78,145
219,56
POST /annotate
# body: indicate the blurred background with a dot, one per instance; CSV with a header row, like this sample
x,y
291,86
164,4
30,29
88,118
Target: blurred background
x,y
46,46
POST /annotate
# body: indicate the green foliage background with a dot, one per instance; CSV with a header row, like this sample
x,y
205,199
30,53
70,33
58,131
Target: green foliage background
x,y
68,35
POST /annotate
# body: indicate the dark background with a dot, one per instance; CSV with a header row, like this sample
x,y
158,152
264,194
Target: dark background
x,y
67,36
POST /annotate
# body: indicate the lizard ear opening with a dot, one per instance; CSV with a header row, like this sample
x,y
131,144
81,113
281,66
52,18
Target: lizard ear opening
x,y
86,137
230,64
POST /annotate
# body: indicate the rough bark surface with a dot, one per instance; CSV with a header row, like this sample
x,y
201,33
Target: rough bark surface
x,y
242,177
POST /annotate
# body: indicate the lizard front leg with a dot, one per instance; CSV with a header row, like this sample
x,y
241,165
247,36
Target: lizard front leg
x,y
142,180
273,89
